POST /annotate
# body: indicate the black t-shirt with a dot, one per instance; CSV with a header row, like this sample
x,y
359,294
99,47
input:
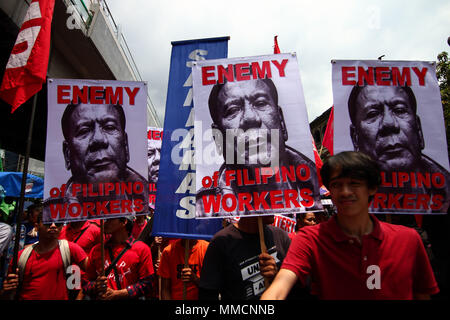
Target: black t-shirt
x,y
231,263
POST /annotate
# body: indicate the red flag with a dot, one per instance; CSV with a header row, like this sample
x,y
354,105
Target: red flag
x,y
419,219
327,141
276,49
27,66
318,161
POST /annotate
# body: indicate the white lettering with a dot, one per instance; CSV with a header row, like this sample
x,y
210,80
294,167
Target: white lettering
x,y
374,281
74,280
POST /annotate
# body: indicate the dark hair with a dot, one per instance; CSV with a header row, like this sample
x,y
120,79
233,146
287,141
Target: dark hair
x,y
129,225
39,217
66,117
34,207
357,90
352,164
214,96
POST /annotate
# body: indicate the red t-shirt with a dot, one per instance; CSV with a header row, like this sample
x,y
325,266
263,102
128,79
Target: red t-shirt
x,y
44,274
172,262
90,235
134,265
390,263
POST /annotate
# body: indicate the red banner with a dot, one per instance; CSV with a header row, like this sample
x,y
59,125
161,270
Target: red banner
x,y
27,66
328,136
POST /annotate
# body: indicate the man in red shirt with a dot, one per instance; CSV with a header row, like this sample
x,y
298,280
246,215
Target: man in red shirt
x,y
175,275
128,265
353,255
84,233
44,274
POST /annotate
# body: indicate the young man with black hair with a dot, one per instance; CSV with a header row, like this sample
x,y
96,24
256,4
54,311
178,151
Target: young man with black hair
x,y
128,266
353,255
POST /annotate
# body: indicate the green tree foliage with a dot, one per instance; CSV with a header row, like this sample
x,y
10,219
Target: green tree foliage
x,y
443,76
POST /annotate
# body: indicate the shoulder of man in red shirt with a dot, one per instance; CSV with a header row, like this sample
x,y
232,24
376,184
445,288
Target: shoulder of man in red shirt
x,y
76,252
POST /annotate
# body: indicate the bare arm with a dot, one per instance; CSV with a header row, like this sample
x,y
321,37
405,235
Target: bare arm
x,y
281,285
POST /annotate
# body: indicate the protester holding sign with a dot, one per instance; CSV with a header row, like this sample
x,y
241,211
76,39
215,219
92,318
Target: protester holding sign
x,y
234,266
260,173
175,272
128,263
395,115
353,255
43,274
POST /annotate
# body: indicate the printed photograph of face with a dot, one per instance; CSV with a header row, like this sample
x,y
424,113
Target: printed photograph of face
x,y
249,106
154,156
95,142
384,125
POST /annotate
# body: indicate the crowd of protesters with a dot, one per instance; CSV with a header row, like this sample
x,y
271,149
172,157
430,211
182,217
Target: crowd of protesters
x,y
66,262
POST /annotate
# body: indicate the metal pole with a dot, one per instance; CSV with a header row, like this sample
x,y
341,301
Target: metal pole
x,y
24,181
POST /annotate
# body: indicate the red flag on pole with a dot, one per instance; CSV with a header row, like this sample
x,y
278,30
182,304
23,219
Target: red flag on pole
x,y
318,161
276,49
329,132
26,69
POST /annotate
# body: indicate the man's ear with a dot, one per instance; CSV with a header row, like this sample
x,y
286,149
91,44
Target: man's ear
x,y
127,150
420,133
282,124
219,144
354,136
66,152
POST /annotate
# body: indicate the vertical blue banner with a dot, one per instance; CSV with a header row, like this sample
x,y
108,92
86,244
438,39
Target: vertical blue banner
x,y
175,196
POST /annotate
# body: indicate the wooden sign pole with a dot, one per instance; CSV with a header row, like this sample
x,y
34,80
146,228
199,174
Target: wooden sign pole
x,y
186,264
262,244
102,245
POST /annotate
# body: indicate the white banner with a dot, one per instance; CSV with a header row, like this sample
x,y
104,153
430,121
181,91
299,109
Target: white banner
x,y
154,141
392,111
96,162
253,150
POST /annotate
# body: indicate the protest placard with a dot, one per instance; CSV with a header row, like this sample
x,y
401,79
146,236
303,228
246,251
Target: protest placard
x,y
154,140
392,111
96,162
253,146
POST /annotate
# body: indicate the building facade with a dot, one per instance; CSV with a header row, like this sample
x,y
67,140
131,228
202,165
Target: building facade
x,y
85,44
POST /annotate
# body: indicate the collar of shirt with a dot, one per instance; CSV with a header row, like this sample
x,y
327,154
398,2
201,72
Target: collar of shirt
x,y
340,236
129,242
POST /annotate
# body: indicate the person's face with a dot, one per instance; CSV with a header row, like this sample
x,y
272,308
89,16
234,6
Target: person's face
x,y
113,225
386,128
248,105
48,231
349,195
97,147
310,219
153,157
34,216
